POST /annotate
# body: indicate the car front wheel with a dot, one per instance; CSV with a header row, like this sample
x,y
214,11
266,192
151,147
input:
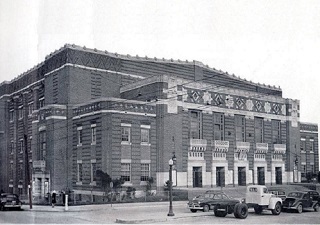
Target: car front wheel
x,y
206,208
299,208
317,208
277,209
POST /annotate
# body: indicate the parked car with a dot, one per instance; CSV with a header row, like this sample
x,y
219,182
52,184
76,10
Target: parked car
x,y
258,197
208,200
9,201
301,200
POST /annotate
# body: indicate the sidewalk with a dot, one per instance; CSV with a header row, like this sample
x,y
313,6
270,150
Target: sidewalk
x,y
129,213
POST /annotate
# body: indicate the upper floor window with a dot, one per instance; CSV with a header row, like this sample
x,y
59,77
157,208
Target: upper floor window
x,y
145,135
93,134
195,119
41,102
240,125
11,115
43,140
21,146
30,108
79,135
218,126
20,112
258,129
303,145
125,133
276,131
12,147
311,145
126,171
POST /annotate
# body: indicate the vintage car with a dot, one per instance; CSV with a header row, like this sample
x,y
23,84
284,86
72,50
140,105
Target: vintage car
x,y
9,201
299,201
208,200
259,198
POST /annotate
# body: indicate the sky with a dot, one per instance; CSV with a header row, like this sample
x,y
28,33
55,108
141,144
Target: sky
x,y
276,42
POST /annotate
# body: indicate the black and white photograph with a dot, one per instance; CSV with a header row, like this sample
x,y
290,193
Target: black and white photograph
x,y
159,112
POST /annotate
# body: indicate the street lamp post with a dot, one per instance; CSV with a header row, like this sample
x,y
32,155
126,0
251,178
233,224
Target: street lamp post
x,y
170,213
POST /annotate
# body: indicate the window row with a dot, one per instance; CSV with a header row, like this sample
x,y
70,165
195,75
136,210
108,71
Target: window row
x,y
21,110
195,127
125,134
125,172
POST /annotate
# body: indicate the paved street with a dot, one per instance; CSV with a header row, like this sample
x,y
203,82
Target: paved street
x,y
155,213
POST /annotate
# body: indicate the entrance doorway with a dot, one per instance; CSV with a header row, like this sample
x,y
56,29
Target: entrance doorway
x,y
197,176
261,177
241,176
220,177
278,175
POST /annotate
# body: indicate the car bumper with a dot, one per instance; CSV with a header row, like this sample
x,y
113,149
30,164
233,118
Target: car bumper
x,y
198,207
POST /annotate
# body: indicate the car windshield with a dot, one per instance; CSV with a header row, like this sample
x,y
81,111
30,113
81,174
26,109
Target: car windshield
x,y
295,194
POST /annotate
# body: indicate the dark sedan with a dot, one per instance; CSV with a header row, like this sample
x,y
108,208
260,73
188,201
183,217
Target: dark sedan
x,y
9,201
299,201
207,201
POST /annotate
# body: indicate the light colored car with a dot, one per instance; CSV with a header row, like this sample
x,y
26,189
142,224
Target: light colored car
x,y
259,198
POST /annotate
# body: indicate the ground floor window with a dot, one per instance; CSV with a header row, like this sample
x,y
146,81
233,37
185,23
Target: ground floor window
x,y
126,171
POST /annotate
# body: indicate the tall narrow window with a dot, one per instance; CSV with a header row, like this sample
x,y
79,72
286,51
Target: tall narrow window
x,y
42,144
195,124
125,134
145,171
93,134
11,115
303,145
21,145
93,171
218,123
30,108
79,135
240,126
311,145
41,102
144,136
126,171
12,147
276,131
258,129
80,172
20,112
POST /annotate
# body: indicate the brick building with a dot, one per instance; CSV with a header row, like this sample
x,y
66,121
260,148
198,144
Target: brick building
x,y
83,110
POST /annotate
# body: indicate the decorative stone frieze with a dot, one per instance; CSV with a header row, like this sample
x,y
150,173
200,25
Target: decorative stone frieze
x,y
220,146
261,148
242,146
198,145
279,148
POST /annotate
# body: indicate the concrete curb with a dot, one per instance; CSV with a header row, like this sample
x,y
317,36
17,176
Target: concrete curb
x,y
124,221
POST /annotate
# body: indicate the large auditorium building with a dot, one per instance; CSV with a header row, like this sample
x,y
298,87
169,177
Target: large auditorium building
x,y
83,110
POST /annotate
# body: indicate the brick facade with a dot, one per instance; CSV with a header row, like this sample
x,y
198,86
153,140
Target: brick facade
x,y
84,110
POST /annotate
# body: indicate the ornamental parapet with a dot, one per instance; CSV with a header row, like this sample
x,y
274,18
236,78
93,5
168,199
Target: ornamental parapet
x,y
198,145
242,146
220,146
261,148
280,148
50,112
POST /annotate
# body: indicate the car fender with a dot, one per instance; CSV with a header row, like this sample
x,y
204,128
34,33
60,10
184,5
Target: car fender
x,y
273,201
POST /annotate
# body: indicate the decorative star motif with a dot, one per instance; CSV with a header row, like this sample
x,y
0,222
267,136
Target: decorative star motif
x,y
229,101
207,98
249,104
267,107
